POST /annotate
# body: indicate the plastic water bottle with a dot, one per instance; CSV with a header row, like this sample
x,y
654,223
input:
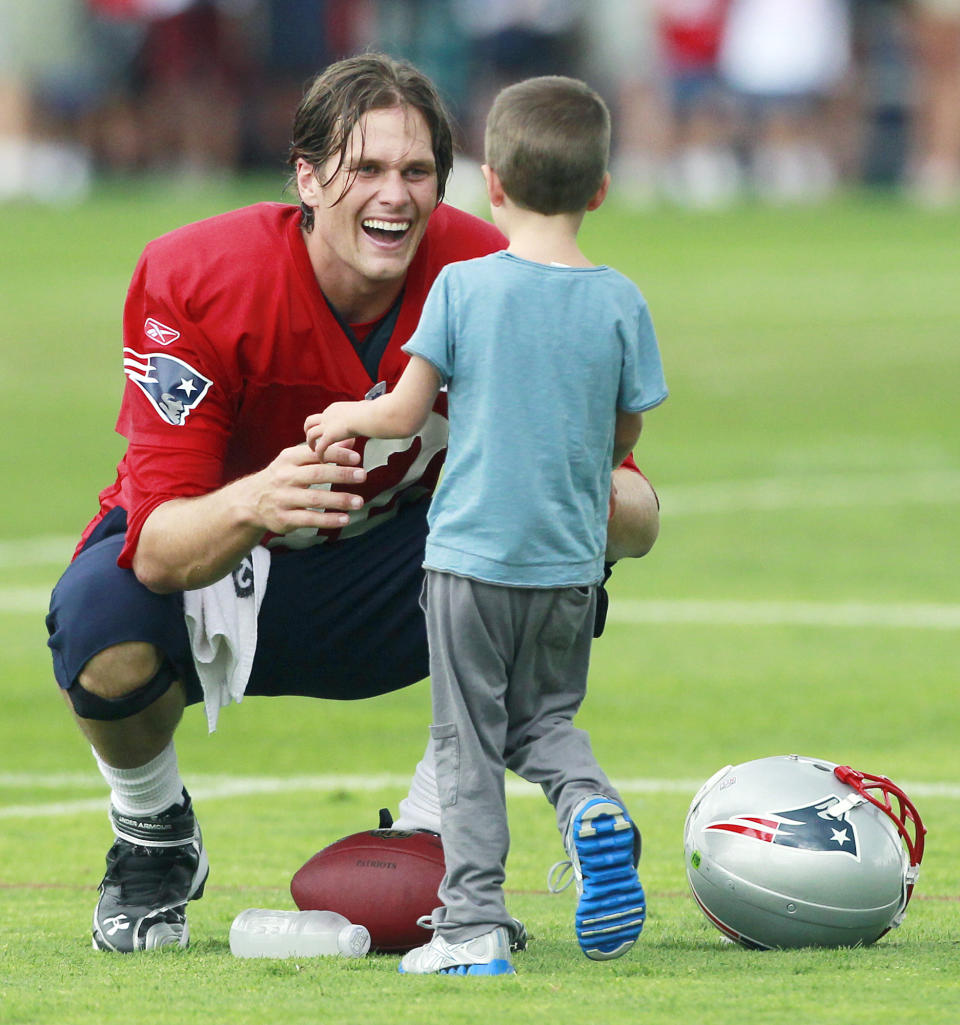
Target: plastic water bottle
x,y
258,932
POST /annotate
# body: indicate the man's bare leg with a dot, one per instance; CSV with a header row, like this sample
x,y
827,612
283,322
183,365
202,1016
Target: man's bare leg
x,y
114,673
157,862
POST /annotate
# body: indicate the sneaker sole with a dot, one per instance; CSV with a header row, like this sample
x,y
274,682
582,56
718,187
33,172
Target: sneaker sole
x,y
493,968
496,967
612,907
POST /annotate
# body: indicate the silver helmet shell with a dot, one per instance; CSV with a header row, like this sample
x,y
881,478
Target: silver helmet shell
x,y
794,852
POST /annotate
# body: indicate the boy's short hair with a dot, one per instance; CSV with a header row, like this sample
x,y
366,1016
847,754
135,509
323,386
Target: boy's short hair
x,y
339,96
548,139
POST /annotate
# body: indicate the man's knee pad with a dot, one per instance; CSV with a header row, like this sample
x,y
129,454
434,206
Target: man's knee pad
x,y
91,706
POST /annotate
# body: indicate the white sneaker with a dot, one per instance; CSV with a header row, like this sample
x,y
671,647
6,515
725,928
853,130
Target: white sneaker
x,y
488,954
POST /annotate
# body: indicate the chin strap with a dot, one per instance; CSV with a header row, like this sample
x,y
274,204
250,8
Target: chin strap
x,y
903,816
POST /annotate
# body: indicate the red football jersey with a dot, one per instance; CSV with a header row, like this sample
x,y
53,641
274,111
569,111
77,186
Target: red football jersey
x,y
229,345
691,32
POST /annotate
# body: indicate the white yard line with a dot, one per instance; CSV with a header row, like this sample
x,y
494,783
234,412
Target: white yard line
x,y
829,490
51,550
33,601
916,616
793,491
30,601
206,788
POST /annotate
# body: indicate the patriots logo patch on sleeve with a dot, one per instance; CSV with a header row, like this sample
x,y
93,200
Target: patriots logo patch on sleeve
x,y
173,387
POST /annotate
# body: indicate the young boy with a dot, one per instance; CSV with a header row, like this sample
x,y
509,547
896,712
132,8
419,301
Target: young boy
x,y
540,352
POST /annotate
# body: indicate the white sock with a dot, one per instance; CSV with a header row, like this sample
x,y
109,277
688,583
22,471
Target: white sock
x,y
420,809
146,790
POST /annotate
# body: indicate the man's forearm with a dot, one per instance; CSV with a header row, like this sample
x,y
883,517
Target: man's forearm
x,y
191,542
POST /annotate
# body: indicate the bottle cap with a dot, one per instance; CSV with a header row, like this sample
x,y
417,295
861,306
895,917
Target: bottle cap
x,y
353,941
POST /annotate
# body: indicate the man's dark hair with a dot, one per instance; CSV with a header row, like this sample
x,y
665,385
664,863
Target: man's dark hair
x,y
548,139
340,95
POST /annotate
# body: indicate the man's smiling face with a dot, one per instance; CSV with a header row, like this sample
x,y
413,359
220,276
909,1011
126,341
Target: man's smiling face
x,y
364,238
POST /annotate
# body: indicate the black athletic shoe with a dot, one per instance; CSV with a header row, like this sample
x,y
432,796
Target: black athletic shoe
x,y
156,864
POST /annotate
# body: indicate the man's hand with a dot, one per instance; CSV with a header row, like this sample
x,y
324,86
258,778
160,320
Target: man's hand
x,y
191,542
294,490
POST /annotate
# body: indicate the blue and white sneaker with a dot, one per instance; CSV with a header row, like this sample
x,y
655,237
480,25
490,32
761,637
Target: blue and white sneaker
x,y
488,954
601,841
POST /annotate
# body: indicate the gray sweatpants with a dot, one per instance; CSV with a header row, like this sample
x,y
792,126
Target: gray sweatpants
x,y
509,668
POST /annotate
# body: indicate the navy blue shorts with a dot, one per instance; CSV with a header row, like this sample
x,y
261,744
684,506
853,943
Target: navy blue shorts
x,y
337,621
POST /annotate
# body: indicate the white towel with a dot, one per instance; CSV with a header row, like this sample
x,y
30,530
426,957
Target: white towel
x,y
222,623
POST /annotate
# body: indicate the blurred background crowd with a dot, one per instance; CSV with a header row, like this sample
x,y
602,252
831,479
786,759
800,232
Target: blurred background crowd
x,y
714,100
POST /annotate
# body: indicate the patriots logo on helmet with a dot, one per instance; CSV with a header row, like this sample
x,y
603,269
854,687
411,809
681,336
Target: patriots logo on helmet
x,y
811,828
173,387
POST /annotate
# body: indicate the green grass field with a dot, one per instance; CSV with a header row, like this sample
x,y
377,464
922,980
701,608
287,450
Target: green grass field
x,y
803,597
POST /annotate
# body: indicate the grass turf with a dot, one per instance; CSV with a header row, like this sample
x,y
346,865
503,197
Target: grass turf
x,y
808,453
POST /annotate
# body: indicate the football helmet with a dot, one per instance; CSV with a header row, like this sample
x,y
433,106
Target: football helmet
x,y
795,852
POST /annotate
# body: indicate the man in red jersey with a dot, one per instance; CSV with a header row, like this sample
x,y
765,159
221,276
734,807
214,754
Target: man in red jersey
x,y
226,559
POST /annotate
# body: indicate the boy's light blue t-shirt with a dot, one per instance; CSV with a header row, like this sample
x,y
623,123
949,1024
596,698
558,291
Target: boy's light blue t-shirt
x,y
536,360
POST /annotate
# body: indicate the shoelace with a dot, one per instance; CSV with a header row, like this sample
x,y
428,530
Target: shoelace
x,y
560,876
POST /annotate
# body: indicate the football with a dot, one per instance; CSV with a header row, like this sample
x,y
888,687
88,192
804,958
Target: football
x,y
383,879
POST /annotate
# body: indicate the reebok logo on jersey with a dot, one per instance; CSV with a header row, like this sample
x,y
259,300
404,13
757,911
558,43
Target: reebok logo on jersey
x,y
159,333
173,387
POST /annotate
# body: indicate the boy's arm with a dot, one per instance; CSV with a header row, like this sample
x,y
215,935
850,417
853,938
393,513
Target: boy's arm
x,y
398,414
626,433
